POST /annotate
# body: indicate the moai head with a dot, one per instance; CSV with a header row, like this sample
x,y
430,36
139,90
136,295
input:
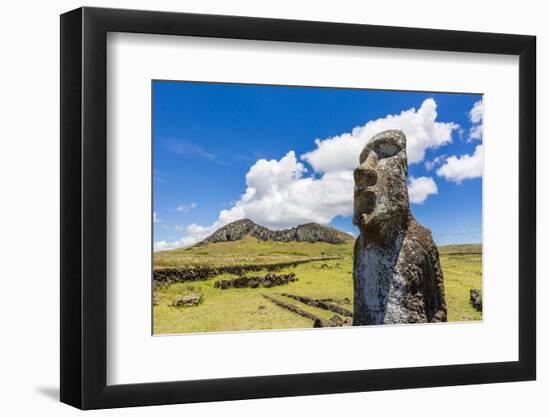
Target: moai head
x,y
381,199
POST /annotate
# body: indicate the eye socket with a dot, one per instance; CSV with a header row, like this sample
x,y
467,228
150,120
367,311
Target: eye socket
x,y
385,149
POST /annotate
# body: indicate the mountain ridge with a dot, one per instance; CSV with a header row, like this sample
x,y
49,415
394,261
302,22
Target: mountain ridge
x,y
309,232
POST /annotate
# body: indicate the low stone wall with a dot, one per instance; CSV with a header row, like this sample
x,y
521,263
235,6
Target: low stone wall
x,y
269,280
169,275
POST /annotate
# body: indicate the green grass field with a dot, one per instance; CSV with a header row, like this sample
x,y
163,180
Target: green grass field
x,y
246,309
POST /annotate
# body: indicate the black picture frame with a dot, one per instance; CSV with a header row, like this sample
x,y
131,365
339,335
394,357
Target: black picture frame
x,y
84,207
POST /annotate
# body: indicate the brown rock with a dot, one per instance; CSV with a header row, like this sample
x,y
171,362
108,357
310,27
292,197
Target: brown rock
x,y
475,299
187,300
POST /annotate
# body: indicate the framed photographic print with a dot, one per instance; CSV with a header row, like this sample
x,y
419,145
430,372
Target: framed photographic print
x,y
258,207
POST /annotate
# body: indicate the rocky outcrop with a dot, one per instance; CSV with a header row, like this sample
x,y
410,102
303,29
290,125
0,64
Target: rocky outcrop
x,y
310,232
396,272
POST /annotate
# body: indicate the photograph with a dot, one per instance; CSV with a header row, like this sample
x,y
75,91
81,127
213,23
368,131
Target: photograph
x,y
291,207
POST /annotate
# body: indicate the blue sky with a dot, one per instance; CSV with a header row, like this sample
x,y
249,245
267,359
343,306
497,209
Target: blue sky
x,y
284,156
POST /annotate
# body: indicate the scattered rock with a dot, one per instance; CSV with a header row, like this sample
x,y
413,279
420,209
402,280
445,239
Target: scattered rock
x,y
321,323
475,299
336,321
187,300
397,275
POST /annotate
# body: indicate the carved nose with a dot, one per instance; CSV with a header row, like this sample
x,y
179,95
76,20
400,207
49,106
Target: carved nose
x,y
365,177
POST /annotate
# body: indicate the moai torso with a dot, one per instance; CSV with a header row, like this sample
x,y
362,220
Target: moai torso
x,y
397,275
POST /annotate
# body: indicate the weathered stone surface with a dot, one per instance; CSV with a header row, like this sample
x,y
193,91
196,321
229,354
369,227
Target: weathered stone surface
x,y
396,272
310,232
187,300
475,299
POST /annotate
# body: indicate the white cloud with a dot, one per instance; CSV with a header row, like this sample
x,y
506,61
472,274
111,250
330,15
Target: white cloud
x,y
186,208
420,126
194,234
476,118
458,169
476,113
279,196
161,245
438,160
155,218
420,188
476,132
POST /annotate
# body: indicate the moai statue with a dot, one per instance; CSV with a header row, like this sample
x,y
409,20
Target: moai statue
x,y
396,272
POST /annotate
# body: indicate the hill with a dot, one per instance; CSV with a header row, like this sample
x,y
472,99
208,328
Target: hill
x,y
310,232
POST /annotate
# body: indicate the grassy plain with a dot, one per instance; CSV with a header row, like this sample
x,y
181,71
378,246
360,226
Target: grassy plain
x,y
246,309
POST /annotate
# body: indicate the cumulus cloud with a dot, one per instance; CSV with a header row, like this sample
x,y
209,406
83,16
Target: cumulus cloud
x,y
155,218
438,160
464,167
193,234
186,208
476,113
476,118
279,196
420,188
161,245
476,132
419,125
